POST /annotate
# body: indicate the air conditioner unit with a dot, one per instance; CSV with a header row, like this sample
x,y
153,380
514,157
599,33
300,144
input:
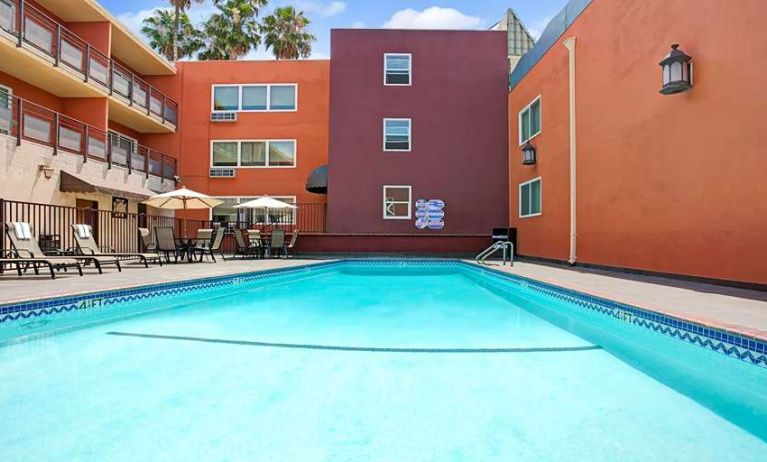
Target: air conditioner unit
x,y
222,173
230,116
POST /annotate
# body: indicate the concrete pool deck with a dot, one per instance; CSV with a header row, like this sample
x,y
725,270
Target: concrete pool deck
x,y
739,310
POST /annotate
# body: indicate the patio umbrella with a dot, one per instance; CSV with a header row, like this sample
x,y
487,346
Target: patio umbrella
x,y
182,199
266,203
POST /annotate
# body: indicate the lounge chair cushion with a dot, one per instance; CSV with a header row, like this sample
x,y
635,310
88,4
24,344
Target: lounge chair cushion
x,y
83,231
21,229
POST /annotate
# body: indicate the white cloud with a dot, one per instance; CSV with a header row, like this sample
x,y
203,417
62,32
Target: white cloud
x,y
320,8
434,17
358,25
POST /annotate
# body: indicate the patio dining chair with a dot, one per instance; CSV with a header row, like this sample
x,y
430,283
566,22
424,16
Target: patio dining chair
x,y
213,248
166,242
245,247
87,245
277,243
292,245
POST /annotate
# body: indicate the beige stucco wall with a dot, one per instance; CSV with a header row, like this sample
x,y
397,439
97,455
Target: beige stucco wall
x,y
22,180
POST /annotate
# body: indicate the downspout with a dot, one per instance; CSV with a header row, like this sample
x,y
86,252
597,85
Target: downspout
x,y
570,44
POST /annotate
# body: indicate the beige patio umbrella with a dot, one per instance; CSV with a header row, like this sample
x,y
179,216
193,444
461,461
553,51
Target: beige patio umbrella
x,y
182,199
266,202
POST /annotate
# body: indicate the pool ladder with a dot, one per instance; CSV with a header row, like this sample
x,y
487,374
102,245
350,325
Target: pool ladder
x,y
506,246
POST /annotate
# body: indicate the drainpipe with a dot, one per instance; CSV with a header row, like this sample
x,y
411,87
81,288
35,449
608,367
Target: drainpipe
x,y
570,44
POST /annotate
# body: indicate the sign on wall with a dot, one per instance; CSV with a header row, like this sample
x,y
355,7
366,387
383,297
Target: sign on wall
x,y
119,207
429,214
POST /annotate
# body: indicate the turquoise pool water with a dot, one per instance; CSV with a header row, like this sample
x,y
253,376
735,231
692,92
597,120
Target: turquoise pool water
x,y
370,364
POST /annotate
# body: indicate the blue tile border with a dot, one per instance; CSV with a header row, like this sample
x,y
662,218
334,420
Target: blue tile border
x,y
750,350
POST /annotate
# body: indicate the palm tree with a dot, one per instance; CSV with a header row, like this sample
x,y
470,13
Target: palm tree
x,y
159,28
233,31
179,6
285,33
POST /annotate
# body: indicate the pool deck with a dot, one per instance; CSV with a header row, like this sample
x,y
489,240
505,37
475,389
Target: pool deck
x,y
28,287
739,310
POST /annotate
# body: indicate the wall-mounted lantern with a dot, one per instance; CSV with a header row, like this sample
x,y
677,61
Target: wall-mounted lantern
x,y
47,171
528,154
677,71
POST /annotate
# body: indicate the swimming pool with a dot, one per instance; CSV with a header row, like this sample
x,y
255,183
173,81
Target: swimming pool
x,y
370,360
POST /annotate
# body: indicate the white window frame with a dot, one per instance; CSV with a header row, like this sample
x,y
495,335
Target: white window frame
x,y
9,90
519,120
241,199
239,86
539,179
409,70
130,154
409,134
409,202
266,142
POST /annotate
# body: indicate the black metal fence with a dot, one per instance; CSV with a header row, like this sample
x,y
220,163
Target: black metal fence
x,y
52,224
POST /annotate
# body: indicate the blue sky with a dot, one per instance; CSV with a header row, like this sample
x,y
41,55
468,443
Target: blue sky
x,y
328,14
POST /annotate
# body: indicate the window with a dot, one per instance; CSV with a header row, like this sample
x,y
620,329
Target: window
x,y
530,121
397,134
225,154
397,68
530,198
282,98
255,97
253,153
122,148
396,202
6,106
226,98
228,215
8,16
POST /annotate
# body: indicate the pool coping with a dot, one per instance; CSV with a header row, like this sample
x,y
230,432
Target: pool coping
x,y
743,331
707,335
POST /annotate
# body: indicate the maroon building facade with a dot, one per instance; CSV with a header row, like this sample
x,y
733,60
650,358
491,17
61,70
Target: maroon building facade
x,y
417,115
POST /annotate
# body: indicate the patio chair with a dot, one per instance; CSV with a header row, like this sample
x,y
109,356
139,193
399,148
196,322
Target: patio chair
x,y
87,245
146,240
10,258
214,247
26,250
292,244
245,248
166,242
202,241
277,243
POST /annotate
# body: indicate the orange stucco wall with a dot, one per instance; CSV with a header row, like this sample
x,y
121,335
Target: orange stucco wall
x,y
665,183
308,126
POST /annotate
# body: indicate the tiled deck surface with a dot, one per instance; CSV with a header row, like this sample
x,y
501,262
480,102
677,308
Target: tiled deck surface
x,y
28,287
739,310
733,309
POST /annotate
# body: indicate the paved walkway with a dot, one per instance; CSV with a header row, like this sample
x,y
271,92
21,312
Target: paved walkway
x,y
733,309
13,288
738,310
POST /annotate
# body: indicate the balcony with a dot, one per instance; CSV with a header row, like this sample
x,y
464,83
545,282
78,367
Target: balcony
x,y
31,122
57,60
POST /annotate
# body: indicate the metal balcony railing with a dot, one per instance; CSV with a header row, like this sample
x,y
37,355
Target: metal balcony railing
x,y
29,121
33,29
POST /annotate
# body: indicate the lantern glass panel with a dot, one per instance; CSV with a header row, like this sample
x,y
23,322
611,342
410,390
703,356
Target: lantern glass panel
x,y
666,74
676,71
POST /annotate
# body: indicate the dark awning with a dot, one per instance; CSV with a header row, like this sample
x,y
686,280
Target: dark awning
x,y
72,182
318,180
